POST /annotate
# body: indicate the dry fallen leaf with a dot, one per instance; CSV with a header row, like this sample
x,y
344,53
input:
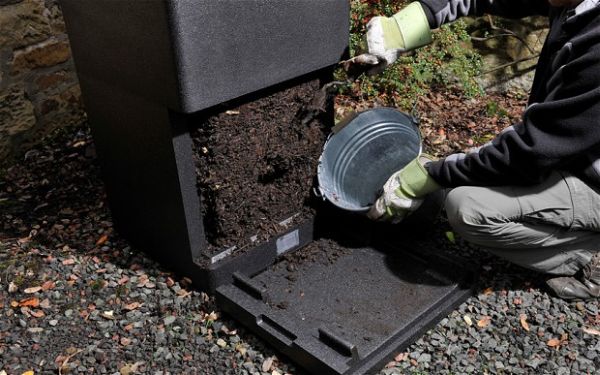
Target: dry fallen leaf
x,y
132,306
48,285
484,322
30,372
63,361
68,262
564,337
37,313
468,320
128,369
45,304
488,291
591,331
241,350
102,240
553,343
33,289
524,324
79,144
212,316
29,302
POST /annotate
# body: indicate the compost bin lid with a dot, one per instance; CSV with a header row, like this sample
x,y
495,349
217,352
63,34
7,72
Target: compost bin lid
x,y
341,306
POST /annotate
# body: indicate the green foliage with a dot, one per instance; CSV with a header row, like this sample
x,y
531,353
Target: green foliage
x,y
493,109
97,284
121,291
448,61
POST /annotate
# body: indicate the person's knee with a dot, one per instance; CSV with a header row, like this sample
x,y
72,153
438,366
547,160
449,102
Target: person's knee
x,y
462,207
471,213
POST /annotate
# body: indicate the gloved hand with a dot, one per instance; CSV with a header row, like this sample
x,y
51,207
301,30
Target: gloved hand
x,y
389,37
404,191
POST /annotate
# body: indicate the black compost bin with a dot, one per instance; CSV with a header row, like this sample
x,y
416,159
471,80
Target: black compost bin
x,y
159,80
152,71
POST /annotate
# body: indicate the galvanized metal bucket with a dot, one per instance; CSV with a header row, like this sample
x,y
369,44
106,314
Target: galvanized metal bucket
x,y
359,157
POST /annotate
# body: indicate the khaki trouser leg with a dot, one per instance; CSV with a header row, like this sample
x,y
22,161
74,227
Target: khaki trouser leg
x,y
553,227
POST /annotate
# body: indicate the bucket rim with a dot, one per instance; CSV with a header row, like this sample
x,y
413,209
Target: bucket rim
x,y
322,192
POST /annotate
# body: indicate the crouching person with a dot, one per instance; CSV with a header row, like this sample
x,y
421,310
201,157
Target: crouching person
x,y
532,194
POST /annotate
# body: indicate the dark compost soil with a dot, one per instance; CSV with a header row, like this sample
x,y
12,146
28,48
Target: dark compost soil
x,y
256,163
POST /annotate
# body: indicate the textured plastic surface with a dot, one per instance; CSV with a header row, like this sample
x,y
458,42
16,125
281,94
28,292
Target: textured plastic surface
x,y
192,54
359,158
256,259
352,316
145,153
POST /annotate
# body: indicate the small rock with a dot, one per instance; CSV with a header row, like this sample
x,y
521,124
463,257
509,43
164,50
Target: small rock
x,y
249,366
12,287
533,363
267,364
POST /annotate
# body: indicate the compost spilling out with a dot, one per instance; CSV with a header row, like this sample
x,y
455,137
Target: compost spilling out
x,y
256,162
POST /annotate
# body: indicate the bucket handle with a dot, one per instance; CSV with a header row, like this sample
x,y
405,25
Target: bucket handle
x,y
318,193
343,122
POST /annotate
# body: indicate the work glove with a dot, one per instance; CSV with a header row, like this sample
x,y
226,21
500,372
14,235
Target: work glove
x,y
404,191
389,37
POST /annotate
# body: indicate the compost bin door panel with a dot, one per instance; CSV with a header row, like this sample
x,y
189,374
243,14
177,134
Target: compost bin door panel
x,y
340,310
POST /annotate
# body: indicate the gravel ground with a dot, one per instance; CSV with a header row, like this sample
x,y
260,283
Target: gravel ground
x,y
75,298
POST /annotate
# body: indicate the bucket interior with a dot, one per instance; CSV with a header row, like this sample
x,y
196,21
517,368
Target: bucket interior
x,y
359,159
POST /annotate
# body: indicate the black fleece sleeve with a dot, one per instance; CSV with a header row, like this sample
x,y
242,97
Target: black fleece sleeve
x,y
440,12
553,134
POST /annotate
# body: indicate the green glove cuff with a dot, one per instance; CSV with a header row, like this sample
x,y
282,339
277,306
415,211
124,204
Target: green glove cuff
x,y
413,25
416,181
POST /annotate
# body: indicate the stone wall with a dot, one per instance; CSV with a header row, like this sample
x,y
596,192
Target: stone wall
x,y
509,49
38,85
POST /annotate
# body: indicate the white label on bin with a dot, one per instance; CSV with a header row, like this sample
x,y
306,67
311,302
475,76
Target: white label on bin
x,y
287,242
222,255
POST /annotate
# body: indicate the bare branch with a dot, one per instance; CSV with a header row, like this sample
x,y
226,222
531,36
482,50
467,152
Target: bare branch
x,y
511,63
503,32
